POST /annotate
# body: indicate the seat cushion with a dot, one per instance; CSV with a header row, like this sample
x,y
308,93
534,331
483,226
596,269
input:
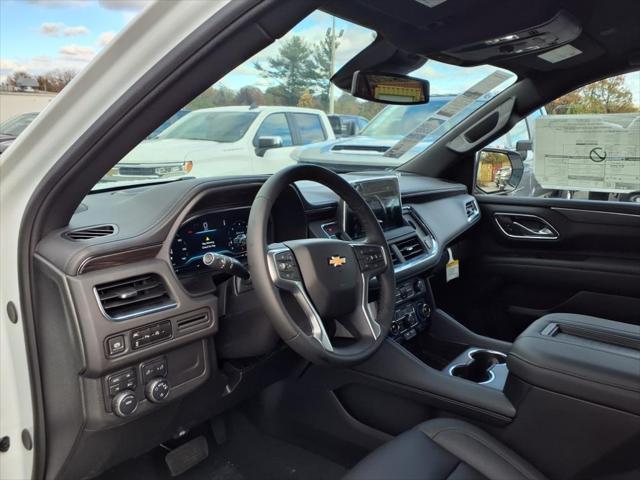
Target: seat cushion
x,y
444,449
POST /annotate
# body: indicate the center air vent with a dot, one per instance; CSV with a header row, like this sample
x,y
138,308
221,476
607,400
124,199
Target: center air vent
x,y
410,248
134,297
471,207
91,232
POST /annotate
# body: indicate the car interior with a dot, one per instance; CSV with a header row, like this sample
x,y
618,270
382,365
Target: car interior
x,y
339,342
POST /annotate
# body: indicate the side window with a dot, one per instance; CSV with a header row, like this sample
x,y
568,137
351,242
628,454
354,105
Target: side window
x,y
508,141
275,125
309,128
585,145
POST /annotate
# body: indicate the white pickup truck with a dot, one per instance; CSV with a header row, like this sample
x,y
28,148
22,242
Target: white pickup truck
x,y
225,140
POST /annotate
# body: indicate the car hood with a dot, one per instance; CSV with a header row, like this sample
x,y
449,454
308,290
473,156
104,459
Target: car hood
x,y
168,150
355,152
6,137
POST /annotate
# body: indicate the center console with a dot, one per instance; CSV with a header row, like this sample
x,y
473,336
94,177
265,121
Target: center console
x,y
413,310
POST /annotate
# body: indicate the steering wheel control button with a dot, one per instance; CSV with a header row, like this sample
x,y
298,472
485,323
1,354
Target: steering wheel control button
x,y
124,403
157,390
115,345
370,257
287,266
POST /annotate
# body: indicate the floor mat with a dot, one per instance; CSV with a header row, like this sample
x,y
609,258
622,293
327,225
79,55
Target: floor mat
x,y
248,454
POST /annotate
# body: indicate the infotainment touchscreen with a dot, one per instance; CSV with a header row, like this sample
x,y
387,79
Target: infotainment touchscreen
x,y
382,194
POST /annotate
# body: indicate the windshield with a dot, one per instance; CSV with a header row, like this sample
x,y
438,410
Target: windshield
x,y
399,120
212,126
270,112
14,126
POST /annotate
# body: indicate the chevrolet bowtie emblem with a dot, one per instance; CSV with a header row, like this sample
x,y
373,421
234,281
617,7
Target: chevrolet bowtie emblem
x,y
337,261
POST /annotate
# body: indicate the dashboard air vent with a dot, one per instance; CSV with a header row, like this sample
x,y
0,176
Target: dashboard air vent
x,y
134,297
471,208
394,257
410,248
195,322
360,148
91,232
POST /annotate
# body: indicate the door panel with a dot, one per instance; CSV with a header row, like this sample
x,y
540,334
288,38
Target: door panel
x,y
592,268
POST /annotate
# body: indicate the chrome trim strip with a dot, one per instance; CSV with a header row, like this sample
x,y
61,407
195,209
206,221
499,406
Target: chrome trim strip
x,y
495,352
138,314
584,210
556,235
297,290
492,376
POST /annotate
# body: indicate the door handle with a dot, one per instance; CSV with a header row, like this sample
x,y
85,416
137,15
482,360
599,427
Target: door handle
x,y
543,231
525,226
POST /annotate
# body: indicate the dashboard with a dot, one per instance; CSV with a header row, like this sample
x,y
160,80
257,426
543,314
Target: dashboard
x,y
218,231
152,323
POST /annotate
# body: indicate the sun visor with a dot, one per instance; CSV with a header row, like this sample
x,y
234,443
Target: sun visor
x,y
380,56
559,30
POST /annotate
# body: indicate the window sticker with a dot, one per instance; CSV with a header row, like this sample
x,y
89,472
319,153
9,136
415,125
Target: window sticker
x,y
597,153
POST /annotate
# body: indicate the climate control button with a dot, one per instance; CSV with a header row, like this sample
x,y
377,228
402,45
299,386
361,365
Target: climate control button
x,y
124,403
157,390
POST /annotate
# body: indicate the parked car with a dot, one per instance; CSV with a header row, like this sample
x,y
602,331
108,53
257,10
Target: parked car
x,y
177,116
347,125
11,128
365,151
224,140
502,177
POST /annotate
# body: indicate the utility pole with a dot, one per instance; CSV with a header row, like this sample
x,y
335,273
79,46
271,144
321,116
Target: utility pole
x,y
333,61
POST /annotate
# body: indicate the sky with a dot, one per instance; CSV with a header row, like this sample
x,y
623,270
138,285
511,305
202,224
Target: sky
x,y
37,36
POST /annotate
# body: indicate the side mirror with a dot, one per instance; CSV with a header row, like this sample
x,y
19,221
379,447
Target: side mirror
x,y
267,143
523,147
350,129
390,88
336,124
498,172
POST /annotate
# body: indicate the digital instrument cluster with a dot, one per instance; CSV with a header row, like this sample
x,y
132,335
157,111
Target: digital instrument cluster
x,y
222,232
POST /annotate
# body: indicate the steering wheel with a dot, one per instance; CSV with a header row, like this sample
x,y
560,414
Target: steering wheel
x,y
307,285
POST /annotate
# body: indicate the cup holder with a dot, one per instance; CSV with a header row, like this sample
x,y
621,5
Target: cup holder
x,y
479,369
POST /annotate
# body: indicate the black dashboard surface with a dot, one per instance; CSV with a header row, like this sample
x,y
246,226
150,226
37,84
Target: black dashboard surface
x,y
151,216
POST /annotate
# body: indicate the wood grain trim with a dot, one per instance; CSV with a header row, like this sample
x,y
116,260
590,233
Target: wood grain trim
x,y
119,258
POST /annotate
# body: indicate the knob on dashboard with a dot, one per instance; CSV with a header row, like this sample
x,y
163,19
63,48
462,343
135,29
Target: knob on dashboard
x,y
124,403
395,328
424,310
157,390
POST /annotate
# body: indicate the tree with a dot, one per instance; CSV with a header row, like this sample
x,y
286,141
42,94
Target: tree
x,y
565,104
213,97
349,105
55,80
322,55
293,69
306,100
275,96
250,95
610,95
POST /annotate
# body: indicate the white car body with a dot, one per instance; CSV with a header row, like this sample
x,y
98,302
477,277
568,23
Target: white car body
x,y
167,157
25,164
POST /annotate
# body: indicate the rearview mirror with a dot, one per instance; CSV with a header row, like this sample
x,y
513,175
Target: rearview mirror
x,y
498,172
390,88
267,143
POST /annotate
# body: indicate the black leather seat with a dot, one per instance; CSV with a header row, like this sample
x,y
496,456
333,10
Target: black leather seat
x,y
444,449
